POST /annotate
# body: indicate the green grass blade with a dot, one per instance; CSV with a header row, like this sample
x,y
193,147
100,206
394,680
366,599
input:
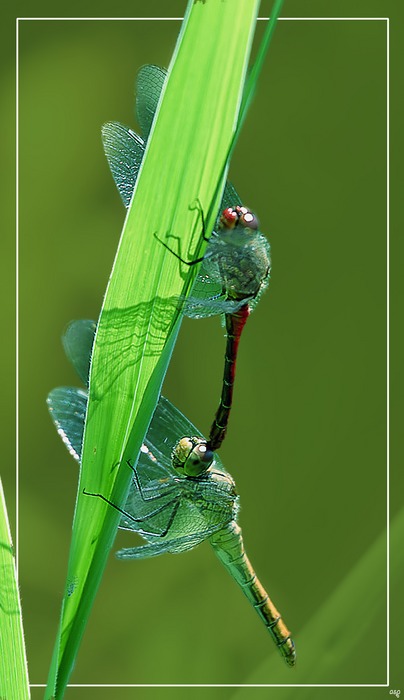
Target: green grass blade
x,y
253,76
13,663
139,322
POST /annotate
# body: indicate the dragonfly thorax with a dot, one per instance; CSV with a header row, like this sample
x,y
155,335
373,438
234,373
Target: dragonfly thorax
x,y
238,256
191,457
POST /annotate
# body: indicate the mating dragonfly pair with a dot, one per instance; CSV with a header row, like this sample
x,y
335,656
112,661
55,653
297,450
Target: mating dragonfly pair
x,y
180,493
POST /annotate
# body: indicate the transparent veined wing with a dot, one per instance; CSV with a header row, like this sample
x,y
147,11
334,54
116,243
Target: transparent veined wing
x,y
149,84
124,151
168,422
77,341
67,407
155,507
169,546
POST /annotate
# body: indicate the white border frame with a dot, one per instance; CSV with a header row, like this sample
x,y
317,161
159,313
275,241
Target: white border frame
x,y
227,685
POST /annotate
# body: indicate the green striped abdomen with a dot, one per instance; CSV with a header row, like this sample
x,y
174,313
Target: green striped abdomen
x,y
229,547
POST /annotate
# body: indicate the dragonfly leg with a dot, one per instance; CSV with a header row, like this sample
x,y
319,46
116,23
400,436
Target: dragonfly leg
x,y
186,262
161,533
152,513
199,207
164,532
164,489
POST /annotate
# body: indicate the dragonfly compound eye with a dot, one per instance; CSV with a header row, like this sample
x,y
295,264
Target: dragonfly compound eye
x,y
247,218
229,218
191,456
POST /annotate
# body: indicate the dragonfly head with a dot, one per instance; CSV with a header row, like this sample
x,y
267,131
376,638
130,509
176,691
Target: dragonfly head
x,y
191,456
238,216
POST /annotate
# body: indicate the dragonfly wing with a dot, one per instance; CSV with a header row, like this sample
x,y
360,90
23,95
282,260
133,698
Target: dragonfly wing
x,y
77,341
124,151
168,424
149,84
67,407
167,427
202,307
172,546
230,197
144,551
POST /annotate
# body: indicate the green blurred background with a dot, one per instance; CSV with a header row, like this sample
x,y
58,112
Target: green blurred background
x,y
307,438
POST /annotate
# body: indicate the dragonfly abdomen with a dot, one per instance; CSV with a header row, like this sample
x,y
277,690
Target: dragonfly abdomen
x,y
234,327
229,547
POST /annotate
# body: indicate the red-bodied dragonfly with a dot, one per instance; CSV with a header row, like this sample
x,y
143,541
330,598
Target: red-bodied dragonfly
x,y
236,267
180,493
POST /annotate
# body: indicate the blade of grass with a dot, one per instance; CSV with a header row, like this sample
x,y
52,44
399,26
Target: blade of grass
x,y
13,662
251,82
189,142
255,71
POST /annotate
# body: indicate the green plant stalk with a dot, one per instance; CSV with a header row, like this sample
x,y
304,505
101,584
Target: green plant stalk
x,y
139,322
252,78
253,75
13,661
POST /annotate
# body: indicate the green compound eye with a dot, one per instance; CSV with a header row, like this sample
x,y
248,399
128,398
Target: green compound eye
x,y
191,456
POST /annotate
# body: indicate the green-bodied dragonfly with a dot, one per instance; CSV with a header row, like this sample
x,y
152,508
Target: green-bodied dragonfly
x,y
180,493
235,269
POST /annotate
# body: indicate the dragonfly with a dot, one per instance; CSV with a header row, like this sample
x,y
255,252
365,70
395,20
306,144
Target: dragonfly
x,y
235,269
180,493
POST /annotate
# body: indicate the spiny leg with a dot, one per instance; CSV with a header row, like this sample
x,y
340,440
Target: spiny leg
x,y
165,489
197,206
158,510
186,262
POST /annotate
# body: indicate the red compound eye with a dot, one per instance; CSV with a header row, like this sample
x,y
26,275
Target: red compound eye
x,y
229,217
